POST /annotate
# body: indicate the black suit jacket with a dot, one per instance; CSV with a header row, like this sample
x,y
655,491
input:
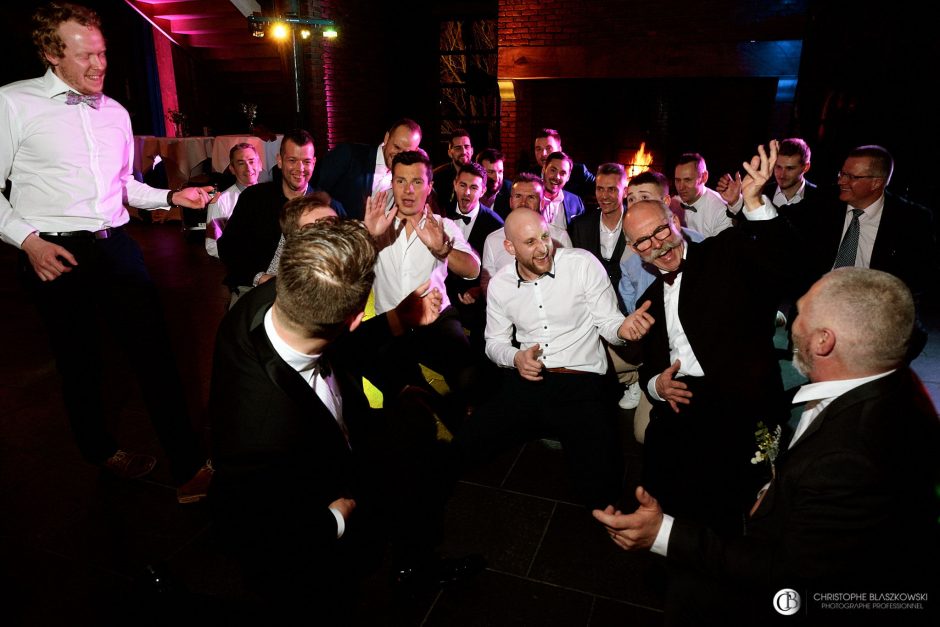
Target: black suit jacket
x,y
487,221
280,456
347,174
731,284
585,232
904,246
852,503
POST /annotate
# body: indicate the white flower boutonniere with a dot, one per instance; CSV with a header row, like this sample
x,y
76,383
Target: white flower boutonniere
x,y
768,445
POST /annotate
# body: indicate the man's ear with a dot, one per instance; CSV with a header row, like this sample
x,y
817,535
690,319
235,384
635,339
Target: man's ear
x,y
355,321
806,168
509,247
824,342
51,58
704,177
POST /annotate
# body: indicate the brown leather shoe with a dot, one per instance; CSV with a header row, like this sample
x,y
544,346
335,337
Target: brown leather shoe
x,y
129,465
196,488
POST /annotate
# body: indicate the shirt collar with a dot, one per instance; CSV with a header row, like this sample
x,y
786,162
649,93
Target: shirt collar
x,y
520,280
55,86
872,211
301,362
470,214
380,159
828,390
797,197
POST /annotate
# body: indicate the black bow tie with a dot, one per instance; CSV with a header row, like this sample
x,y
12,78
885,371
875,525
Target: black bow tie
x,y
92,100
459,216
670,277
688,207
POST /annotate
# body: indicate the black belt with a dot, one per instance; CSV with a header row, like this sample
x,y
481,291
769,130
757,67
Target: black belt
x,y
101,234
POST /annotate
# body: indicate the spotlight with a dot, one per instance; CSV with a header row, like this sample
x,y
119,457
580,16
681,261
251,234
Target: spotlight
x,y
279,31
305,33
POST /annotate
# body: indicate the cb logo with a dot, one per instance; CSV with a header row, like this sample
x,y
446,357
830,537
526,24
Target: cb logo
x,y
787,602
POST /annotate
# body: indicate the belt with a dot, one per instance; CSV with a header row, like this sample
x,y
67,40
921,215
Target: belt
x,y
567,371
101,234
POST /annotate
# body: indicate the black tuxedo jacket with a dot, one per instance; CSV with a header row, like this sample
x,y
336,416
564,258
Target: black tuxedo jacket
x,y
280,456
487,221
852,503
904,246
731,284
585,232
347,174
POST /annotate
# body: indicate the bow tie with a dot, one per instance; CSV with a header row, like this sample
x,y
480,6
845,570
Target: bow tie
x,y
92,100
688,207
459,216
670,277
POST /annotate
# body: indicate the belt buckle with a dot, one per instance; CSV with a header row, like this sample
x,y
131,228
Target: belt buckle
x,y
104,233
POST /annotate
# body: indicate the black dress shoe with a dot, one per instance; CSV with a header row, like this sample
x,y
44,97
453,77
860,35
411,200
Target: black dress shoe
x,y
440,571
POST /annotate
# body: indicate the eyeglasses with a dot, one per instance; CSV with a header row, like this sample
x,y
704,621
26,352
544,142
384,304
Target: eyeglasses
x,y
855,177
661,234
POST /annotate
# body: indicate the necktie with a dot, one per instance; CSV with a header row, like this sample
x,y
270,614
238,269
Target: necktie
x,y
92,100
848,249
688,207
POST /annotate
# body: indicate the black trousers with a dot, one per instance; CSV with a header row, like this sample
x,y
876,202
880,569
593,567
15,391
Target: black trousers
x,y
578,409
110,291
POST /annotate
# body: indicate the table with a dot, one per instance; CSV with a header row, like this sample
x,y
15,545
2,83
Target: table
x,y
267,151
182,155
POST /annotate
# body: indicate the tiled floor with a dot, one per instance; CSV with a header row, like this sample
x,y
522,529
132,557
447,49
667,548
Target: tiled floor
x,y
75,545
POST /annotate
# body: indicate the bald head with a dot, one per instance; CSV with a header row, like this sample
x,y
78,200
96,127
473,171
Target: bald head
x,y
853,322
529,241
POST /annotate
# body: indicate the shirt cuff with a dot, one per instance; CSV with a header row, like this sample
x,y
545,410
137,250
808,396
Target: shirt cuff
x,y
737,205
661,543
767,211
651,388
340,523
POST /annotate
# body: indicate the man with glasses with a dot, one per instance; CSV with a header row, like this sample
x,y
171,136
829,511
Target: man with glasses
x,y
871,228
709,366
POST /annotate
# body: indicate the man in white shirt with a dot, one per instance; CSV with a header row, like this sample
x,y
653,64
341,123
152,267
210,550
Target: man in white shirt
x,y
851,506
557,304
559,207
67,150
526,193
245,164
416,245
702,209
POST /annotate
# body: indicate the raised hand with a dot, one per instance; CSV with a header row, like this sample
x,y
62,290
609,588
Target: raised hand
x,y
637,324
759,171
673,392
375,218
431,232
729,187
637,530
528,364
195,197
420,308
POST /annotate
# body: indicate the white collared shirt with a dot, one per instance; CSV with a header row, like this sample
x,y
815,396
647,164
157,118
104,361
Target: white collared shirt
x,y
554,211
710,216
465,228
405,262
868,223
495,255
382,179
71,166
217,216
780,199
818,396
610,237
565,312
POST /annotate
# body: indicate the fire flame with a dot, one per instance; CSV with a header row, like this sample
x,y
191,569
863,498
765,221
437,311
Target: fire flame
x,y
641,162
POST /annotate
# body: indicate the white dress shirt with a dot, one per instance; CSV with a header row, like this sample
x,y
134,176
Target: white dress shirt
x,y
382,179
710,216
217,215
71,166
868,223
323,386
817,397
405,263
610,237
495,255
679,346
466,227
554,211
780,199
565,312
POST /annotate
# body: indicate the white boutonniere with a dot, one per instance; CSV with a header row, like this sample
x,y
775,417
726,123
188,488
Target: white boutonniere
x,y
768,445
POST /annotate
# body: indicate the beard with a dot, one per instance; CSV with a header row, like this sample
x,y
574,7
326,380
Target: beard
x,y
802,360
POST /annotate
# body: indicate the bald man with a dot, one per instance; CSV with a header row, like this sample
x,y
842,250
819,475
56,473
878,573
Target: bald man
x,y
851,507
558,304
